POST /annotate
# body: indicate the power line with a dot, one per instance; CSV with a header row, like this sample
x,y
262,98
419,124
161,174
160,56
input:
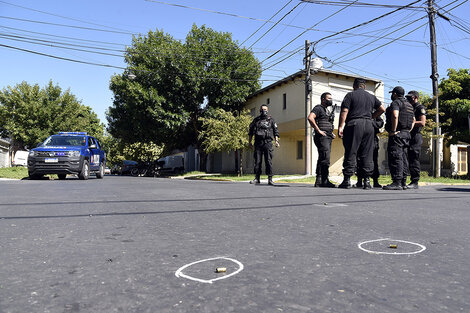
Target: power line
x,y
275,24
55,45
395,39
61,16
62,58
383,45
358,4
362,24
329,16
266,22
64,37
64,25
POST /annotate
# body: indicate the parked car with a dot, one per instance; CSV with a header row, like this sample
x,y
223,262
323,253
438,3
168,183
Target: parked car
x,y
67,153
172,164
125,167
21,158
107,171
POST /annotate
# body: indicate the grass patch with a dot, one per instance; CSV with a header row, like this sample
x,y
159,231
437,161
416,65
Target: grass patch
x,y
14,172
387,179
233,177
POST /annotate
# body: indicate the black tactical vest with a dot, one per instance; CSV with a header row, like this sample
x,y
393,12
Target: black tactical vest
x,y
325,121
263,129
405,117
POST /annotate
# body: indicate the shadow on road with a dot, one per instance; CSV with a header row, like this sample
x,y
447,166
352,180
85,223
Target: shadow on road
x,y
455,189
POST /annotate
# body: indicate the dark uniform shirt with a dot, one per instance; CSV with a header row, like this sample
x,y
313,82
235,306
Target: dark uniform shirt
x,y
419,110
360,104
264,129
405,117
323,118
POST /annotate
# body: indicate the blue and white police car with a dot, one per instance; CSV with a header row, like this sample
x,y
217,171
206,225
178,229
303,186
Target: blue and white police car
x,y
67,153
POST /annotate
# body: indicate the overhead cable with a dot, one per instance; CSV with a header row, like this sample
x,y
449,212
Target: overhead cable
x,y
266,22
69,26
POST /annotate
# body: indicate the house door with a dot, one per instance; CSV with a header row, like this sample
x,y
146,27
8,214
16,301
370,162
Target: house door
x,y
462,166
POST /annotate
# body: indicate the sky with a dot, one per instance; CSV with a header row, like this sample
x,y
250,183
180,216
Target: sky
x,y
372,38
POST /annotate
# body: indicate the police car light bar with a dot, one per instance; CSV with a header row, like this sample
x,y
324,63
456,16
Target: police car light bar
x,y
72,133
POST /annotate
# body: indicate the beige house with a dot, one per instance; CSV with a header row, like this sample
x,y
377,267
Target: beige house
x,y
286,102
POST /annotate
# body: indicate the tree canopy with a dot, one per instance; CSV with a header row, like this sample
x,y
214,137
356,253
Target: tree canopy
x,y
225,131
176,83
29,114
454,102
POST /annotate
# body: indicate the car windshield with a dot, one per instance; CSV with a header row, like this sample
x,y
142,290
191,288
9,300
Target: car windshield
x,y
57,140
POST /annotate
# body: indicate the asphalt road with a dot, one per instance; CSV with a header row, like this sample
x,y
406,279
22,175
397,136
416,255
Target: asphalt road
x,y
130,244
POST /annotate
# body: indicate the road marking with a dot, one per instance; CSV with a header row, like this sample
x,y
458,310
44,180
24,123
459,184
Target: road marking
x,y
179,273
422,247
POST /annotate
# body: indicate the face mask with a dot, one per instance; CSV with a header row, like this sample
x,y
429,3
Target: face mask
x,y
392,97
264,113
329,102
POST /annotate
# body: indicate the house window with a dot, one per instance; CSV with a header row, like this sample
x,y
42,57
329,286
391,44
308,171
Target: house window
x,y
462,165
284,101
267,101
300,150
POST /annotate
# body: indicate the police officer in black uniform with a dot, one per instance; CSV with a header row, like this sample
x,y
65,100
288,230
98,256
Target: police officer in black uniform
x,y
414,151
264,129
358,109
400,121
378,123
321,119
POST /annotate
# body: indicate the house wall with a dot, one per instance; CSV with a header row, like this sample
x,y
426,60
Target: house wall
x,y
5,160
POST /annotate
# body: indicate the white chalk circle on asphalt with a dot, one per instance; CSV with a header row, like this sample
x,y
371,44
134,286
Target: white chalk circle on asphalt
x,y
179,273
420,247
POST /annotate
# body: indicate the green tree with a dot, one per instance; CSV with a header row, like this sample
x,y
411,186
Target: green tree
x,y
176,83
454,102
225,131
29,114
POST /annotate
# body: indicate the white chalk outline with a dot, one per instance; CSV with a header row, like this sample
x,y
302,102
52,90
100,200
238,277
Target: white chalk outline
x,y
394,253
179,272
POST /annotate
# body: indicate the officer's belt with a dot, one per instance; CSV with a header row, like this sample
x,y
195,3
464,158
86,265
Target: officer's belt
x,y
360,118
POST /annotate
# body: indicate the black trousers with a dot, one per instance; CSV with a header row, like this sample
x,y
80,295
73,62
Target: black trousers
x,y
375,158
412,163
263,150
323,144
358,142
397,147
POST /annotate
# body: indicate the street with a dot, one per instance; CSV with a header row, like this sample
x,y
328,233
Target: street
x,y
135,244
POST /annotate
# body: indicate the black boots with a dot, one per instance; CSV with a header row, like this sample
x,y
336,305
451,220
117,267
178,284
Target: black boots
x,y
363,183
317,181
327,184
359,182
394,186
255,181
412,185
346,184
367,185
270,181
376,183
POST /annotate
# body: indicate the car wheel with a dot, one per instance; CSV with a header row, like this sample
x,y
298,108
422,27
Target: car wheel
x,y
62,176
35,176
135,172
100,173
85,172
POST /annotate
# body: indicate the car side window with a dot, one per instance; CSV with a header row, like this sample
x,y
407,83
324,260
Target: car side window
x,y
90,141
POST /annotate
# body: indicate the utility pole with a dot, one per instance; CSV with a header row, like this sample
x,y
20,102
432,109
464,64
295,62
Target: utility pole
x,y
308,91
436,149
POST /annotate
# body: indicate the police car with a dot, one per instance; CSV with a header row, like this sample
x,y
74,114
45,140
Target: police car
x,y
67,153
